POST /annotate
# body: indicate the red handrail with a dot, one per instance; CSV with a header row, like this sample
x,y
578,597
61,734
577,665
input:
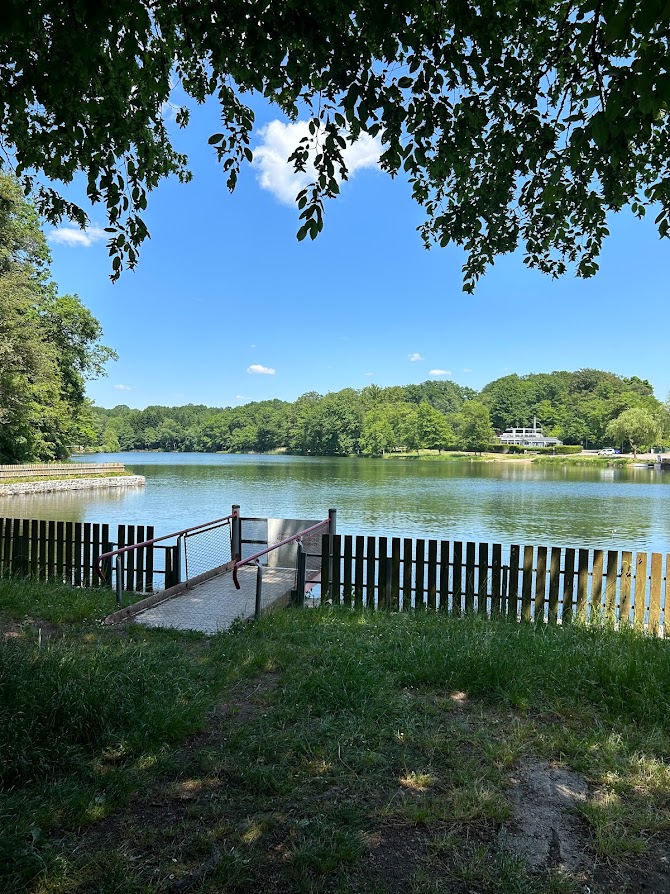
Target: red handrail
x,y
251,559
125,549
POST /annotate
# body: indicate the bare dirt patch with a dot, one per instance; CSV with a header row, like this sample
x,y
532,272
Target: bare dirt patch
x,y
546,829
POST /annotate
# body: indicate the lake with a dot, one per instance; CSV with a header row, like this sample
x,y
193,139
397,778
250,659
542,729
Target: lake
x,y
455,500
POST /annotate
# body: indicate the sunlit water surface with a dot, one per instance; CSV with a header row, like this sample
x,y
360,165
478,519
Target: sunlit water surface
x,y
492,502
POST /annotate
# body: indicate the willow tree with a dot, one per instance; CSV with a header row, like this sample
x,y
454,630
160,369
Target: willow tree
x,y
515,123
636,426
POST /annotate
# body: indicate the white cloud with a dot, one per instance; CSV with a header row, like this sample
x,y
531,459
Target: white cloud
x,y
73,236
257,370
439,372
278,141
414,357
369,374
123,387
241,397
466,369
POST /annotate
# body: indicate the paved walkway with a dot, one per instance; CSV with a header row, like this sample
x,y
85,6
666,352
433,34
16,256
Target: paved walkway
x,y
213,605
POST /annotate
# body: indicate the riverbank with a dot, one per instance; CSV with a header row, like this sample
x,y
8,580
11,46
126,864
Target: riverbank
x,y
64,483
324,751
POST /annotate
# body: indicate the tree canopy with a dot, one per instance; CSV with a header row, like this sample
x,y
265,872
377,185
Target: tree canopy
x,y
516,123
49,344
575,406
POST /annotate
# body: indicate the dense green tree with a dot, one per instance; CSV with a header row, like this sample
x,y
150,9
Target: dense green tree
x,y
515,124
447,397
434,431
49,344
474,429
377,436
637,427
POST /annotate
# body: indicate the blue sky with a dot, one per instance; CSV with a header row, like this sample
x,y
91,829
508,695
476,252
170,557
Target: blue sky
x,y
226,306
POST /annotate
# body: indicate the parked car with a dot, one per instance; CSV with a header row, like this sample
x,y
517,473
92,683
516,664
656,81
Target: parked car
x,y
607,451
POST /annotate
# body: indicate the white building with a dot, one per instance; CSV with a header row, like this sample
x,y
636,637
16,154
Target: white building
x,y
528,437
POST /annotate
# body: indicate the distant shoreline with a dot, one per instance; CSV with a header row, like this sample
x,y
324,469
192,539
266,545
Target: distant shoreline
x,y
585,458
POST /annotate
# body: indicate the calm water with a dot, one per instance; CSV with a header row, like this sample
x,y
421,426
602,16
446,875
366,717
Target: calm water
x,y
494,502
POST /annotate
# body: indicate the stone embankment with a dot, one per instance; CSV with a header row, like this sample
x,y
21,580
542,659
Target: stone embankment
x,y
42,487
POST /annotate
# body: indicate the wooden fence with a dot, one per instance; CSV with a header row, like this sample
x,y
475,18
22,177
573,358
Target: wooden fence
x,y
68,551
49,470
530,583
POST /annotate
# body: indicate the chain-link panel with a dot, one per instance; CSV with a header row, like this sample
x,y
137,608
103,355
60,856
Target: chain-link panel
x,y
206,549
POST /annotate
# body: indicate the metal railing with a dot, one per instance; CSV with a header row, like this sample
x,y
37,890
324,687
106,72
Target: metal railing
x,y
176,571
323,527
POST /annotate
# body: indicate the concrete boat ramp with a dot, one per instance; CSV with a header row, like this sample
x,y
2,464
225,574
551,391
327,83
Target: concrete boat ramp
x,y
212,605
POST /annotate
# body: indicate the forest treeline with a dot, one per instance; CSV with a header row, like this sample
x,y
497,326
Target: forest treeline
x,y
576,407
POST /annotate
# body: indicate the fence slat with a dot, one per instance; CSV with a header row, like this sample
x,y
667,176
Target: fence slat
x,y
34,547
527,582
444,576
381,573
597,584
335,588
60,549
395,570
370,574
121,542
24,560
541,584
77,557
483,579
407,574
582,583
513,584
626,580
359,571
640,597
496,578
2,547
42,569
610,585
130,559
51,550
105,547
7,551
655,593
568,585
458,578
346,576
95,555
666,595
325,568
139,559
149,561
69,543
470,558
419,566
432,574
554,583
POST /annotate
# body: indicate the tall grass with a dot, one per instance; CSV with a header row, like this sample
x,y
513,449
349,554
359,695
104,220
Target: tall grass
x,y
61,700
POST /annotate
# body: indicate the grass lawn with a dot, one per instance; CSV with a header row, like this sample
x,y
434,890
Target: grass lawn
x,y
324,751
